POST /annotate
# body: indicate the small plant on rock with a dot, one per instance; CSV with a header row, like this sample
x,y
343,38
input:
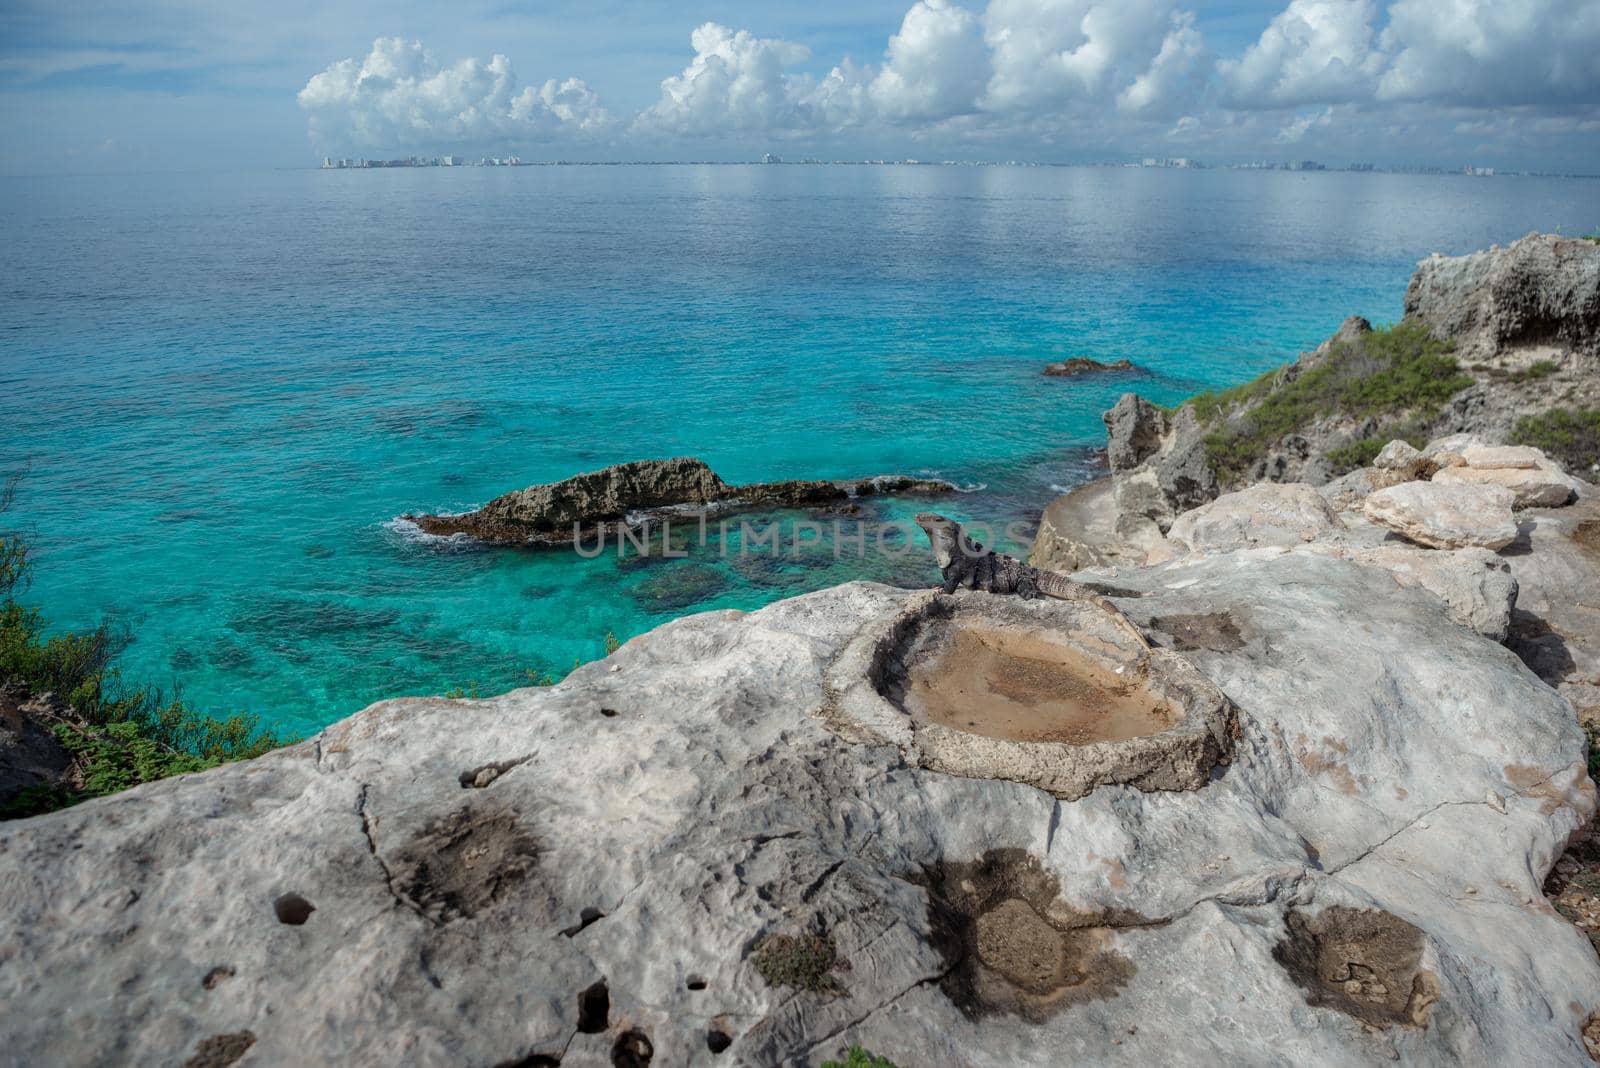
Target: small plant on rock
x,y
856,1057
799,961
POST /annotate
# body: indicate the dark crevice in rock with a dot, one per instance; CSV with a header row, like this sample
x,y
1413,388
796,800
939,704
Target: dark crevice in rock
x,y
585,918
594,1008
816,884
485,774
292,909
372,847
216,976
717,1040
633,1049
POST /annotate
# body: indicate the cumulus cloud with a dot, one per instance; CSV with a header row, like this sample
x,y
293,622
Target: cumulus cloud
x,y
936,65
1051,52
738,82
1107,73
399,96
1493,52
1314,51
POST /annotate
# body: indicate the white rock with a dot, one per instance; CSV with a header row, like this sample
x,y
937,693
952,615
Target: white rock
x,y
1404,459
1543,485
1446,516
653,847
1493,457
1267,513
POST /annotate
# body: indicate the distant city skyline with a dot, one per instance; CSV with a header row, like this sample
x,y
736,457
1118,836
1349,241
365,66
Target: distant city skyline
x,y
110,85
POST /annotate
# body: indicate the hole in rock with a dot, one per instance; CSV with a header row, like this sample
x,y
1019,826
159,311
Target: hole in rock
x,y
1020,687
717,1041
608,712
1363,962
533,1060
594,1009
585,918
1065,696
1012,946
292,909
219,1051
216,976
632,1050
462,863
695,982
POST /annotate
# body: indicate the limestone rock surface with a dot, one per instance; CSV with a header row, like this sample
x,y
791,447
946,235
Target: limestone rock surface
x,y
1446,516
673,855
1267,513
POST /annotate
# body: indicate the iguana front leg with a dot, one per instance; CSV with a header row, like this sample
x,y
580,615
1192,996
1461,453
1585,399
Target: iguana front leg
x,y
1027,589
952,579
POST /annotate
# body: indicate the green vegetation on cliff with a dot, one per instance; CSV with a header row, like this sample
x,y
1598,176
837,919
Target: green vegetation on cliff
x,y
1398,371
118,735
1569,436
860,1058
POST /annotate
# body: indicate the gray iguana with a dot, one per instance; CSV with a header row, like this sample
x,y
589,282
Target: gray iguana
x,y
964,562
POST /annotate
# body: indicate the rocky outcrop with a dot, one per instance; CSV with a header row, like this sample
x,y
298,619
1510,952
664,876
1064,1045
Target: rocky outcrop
x,y
1523,323
1542,290
1082,365
31,757
680,854
627,495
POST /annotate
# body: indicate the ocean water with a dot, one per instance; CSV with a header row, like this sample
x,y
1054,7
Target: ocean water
x,y
221,389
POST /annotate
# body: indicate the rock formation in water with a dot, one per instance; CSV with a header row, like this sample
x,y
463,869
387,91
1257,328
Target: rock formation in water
x,y
626,495
1082,365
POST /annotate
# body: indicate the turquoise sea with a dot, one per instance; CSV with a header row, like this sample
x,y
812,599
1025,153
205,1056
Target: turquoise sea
x,y
220,389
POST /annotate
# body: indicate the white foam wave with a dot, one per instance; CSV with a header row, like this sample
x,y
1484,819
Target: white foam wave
x,y
407,530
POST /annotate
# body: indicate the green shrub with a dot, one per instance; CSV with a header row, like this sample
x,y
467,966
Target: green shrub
x,y
1400,368
857,1057
1570,436
119,735
1534,371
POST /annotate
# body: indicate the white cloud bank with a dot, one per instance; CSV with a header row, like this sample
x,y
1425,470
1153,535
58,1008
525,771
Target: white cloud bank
x,y
1045,71
400,97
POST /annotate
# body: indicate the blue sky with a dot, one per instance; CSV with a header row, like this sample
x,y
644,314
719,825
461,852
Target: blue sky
x,y
182,84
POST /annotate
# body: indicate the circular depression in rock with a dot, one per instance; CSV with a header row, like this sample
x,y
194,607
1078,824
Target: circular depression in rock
x,y
1062,695
1022,686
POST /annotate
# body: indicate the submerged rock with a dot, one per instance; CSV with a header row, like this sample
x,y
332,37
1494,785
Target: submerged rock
x,y
684,848
623,496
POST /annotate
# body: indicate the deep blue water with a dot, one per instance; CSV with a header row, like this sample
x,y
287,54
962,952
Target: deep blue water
x,y
221,388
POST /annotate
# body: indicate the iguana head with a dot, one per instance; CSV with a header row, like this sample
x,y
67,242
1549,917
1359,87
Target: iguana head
x,y
946,537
